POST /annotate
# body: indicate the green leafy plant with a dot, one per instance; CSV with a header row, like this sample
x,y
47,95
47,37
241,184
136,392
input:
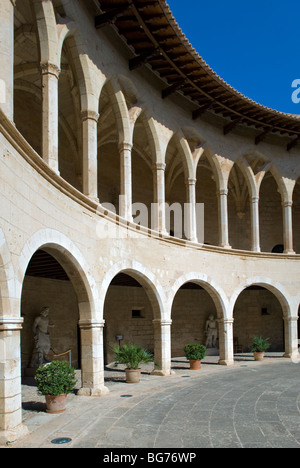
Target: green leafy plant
x,y
195,352
132,355
259,344
56,378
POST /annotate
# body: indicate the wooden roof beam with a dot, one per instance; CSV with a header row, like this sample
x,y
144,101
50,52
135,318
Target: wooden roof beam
x,y
262,136
198,112
172,89
293,143
110,16
139,60
229,127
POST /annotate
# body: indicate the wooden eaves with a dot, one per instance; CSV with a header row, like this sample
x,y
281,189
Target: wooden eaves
x,y
150,29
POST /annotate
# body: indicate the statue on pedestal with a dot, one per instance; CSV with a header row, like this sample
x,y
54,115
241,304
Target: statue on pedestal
x,y
42,346
211,330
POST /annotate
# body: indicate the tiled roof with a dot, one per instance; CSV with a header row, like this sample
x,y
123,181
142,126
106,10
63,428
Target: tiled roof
x,y
156,40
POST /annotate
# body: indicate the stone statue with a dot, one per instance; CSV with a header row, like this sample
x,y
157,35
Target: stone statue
x,y
42,347
211,330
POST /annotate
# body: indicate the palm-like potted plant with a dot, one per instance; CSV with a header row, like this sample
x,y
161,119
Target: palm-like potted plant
x,y
55,380
132,356
195,353
259,346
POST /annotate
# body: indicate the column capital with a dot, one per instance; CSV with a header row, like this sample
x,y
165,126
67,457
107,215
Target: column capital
x,y
222,191
159,166
191,181
162,322
91,323
90,115
125,146
225,321
11,323
291,319
287,204
49,68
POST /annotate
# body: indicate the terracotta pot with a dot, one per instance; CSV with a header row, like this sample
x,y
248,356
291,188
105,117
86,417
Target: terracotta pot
x,y
259,356
195,364
133,375
56,403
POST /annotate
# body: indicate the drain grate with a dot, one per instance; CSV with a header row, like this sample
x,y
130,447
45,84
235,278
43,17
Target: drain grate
x,y
126,396
61,440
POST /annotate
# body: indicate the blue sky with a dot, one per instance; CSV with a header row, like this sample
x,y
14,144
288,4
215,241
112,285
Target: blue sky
x,y
253,45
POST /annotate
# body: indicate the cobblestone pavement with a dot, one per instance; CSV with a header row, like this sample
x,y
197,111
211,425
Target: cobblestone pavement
x,y
250,405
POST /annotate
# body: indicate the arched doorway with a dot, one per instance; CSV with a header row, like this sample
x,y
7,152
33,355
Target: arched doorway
x,y
270,214
258,312
128,315
47,284
192,307
195,295
86,306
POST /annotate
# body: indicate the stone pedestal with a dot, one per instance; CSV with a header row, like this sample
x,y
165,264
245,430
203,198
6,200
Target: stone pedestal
x,y
11,427
92,362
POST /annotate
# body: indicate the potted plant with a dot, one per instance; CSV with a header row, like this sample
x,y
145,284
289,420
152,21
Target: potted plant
x,y
259,346
55,380
195,353
132,356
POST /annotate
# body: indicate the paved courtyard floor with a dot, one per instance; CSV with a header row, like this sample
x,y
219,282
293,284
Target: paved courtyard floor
x,y
250,405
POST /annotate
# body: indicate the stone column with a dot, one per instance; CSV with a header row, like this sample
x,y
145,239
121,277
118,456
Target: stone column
x,y
190,223
226,342
255,234
7,57
288,227
162,347
92,359
159,215
126,181
50,75
90,154
223,218
291,338
11,427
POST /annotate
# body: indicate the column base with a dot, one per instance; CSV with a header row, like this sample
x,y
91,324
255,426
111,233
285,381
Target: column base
x,y
13,435
224,362
162,373
86,391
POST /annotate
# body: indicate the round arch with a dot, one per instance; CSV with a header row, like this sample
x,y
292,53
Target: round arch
x,y
71,259
145,277
276,288
281,324
216,293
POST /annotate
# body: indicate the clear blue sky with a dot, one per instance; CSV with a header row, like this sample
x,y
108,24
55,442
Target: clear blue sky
x,y
253,45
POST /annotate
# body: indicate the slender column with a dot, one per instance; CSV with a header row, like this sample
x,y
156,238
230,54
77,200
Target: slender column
x,y
226,342
50,74
291,338
223,218
159,215
11,427
92,360
7,57
288,227
90,154
255,237
190,224
162,347
126,181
